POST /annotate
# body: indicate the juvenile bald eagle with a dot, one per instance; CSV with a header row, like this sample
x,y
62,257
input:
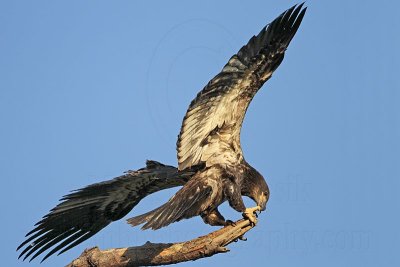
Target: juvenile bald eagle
x,y
211,166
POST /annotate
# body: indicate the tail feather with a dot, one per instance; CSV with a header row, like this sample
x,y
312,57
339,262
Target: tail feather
x,y
144,218
184,204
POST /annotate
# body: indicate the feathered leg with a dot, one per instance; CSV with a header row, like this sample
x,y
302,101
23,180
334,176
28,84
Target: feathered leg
x,y
215,218
233,193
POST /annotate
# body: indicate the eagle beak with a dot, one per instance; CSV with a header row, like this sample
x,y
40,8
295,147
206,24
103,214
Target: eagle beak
x,y
263,207
263,201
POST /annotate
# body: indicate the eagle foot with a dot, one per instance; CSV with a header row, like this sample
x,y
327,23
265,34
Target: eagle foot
x,y
251,214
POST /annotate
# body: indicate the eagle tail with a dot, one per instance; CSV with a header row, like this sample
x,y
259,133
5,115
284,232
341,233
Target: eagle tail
x,y
141,219
84,212
186,203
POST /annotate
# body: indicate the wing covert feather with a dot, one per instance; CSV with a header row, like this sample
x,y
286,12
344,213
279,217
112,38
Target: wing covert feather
x,y
218,110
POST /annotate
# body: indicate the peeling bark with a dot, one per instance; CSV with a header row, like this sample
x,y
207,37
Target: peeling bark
x,y
155,254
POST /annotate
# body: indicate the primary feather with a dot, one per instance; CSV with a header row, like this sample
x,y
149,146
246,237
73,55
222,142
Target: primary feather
x,y
210,131
86,211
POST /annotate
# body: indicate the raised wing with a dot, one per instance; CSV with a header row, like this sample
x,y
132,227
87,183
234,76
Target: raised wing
x,y
210,132
86,211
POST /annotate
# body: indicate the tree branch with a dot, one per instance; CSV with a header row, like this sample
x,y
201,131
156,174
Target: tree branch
x,y
153,254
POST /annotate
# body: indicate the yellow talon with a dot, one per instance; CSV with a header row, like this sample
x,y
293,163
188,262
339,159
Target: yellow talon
x,y
251,215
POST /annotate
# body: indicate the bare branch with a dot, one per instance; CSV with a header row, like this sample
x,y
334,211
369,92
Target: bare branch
x,y
152,254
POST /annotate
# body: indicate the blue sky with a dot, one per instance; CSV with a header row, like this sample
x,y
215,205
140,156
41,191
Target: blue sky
x,y
89,89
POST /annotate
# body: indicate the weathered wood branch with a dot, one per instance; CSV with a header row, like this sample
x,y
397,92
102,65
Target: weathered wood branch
x,y
153,254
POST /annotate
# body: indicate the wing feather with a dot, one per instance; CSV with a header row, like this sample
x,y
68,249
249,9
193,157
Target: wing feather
x,y
84,212
223,102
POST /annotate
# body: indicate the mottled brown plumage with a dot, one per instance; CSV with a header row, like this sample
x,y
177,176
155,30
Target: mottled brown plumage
x,y
211,165
210,132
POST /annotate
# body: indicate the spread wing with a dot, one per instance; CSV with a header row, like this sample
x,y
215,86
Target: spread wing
x,y
210,131
86,211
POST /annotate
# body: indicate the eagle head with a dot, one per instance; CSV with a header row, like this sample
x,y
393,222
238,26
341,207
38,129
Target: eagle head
x,y
255,187
261,193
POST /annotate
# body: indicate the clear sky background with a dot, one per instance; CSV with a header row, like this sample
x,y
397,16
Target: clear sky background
x,y
89,89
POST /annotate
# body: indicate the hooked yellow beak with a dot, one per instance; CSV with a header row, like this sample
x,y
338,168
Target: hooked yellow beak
x,y
263,201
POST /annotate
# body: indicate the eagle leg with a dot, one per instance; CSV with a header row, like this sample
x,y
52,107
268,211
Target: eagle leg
x,y
215,218
251,214
233,194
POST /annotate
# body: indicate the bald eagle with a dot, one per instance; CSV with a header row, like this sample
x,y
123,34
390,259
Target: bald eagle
x,y
211,166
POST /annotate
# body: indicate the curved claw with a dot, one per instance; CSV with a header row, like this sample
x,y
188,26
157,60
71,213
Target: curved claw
x,y
251,214
243,238
230,223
